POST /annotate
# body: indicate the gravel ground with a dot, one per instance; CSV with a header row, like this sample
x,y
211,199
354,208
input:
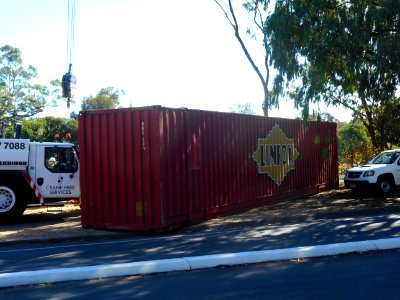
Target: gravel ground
x,y
42,224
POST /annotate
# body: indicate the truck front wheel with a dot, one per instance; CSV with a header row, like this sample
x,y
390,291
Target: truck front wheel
x,y
11,206
385,185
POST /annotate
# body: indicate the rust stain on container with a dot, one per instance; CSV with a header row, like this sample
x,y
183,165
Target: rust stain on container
x,y
157,168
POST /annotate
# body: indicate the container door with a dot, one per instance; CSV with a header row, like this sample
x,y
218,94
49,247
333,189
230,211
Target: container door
x,y
57,172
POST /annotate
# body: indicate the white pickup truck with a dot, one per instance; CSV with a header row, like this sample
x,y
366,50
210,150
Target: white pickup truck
x,y
382,173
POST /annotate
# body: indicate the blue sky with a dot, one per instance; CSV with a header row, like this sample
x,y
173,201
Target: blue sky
x,y
173,53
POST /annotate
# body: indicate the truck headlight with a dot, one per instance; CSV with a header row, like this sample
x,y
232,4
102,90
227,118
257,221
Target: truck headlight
x,y
369,173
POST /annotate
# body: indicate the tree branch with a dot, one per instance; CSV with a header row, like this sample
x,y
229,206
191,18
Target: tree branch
x,y
383,31
339,5
244,48
345,104
226,14
257,11
234,23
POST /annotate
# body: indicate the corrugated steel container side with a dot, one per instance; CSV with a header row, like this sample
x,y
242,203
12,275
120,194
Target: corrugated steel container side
x,y
116,176
132,162
158,168
223,173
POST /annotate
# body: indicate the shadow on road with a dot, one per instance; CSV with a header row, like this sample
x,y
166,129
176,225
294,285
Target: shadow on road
x,y
37,224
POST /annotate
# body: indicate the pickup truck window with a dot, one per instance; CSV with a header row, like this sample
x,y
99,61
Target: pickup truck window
x,y
386,158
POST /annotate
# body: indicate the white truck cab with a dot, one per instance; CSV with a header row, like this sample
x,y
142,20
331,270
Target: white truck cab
x,y
53,167
36,173
383,173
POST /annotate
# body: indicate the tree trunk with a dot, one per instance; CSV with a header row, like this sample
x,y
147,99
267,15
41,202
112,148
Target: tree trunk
x,y
369,123
352,158
266,100
235,26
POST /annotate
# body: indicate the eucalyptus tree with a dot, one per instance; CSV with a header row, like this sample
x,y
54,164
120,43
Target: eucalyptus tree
x,y
353,144
20,96
258,12
45,129
343,53
106,98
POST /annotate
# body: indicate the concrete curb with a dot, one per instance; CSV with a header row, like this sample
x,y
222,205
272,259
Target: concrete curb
x,y
190,263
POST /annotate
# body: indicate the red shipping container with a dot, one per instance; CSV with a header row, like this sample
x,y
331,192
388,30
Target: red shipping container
x,y
157,168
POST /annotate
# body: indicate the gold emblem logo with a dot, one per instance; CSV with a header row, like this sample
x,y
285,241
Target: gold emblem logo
x,y
275,155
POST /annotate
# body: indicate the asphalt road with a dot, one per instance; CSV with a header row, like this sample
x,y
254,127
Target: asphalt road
x,y
368,276
320,232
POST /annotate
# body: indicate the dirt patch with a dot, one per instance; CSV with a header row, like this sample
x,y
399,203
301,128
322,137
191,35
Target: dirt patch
x,y
55,224
62,224
336,203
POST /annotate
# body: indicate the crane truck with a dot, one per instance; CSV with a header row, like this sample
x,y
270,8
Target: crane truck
x,y
36,173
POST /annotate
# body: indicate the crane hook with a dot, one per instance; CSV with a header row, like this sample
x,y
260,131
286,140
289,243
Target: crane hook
x,y
68,85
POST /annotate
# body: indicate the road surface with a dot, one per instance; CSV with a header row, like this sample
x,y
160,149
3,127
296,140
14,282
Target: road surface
x,y
368,276
320,232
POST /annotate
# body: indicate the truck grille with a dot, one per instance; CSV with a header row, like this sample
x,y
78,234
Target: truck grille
x,y
354,174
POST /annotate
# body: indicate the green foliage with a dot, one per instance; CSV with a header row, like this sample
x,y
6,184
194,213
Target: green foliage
x,y
354,145
44,129
74,115
106,98
342,53
20,97
387,121
325,116
246,109
35,130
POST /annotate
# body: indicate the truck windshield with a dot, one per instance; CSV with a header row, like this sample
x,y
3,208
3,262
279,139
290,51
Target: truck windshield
x,y
386,158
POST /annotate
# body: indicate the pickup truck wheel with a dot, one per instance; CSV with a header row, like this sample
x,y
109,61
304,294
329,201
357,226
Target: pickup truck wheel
x,y
11,206
385,186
